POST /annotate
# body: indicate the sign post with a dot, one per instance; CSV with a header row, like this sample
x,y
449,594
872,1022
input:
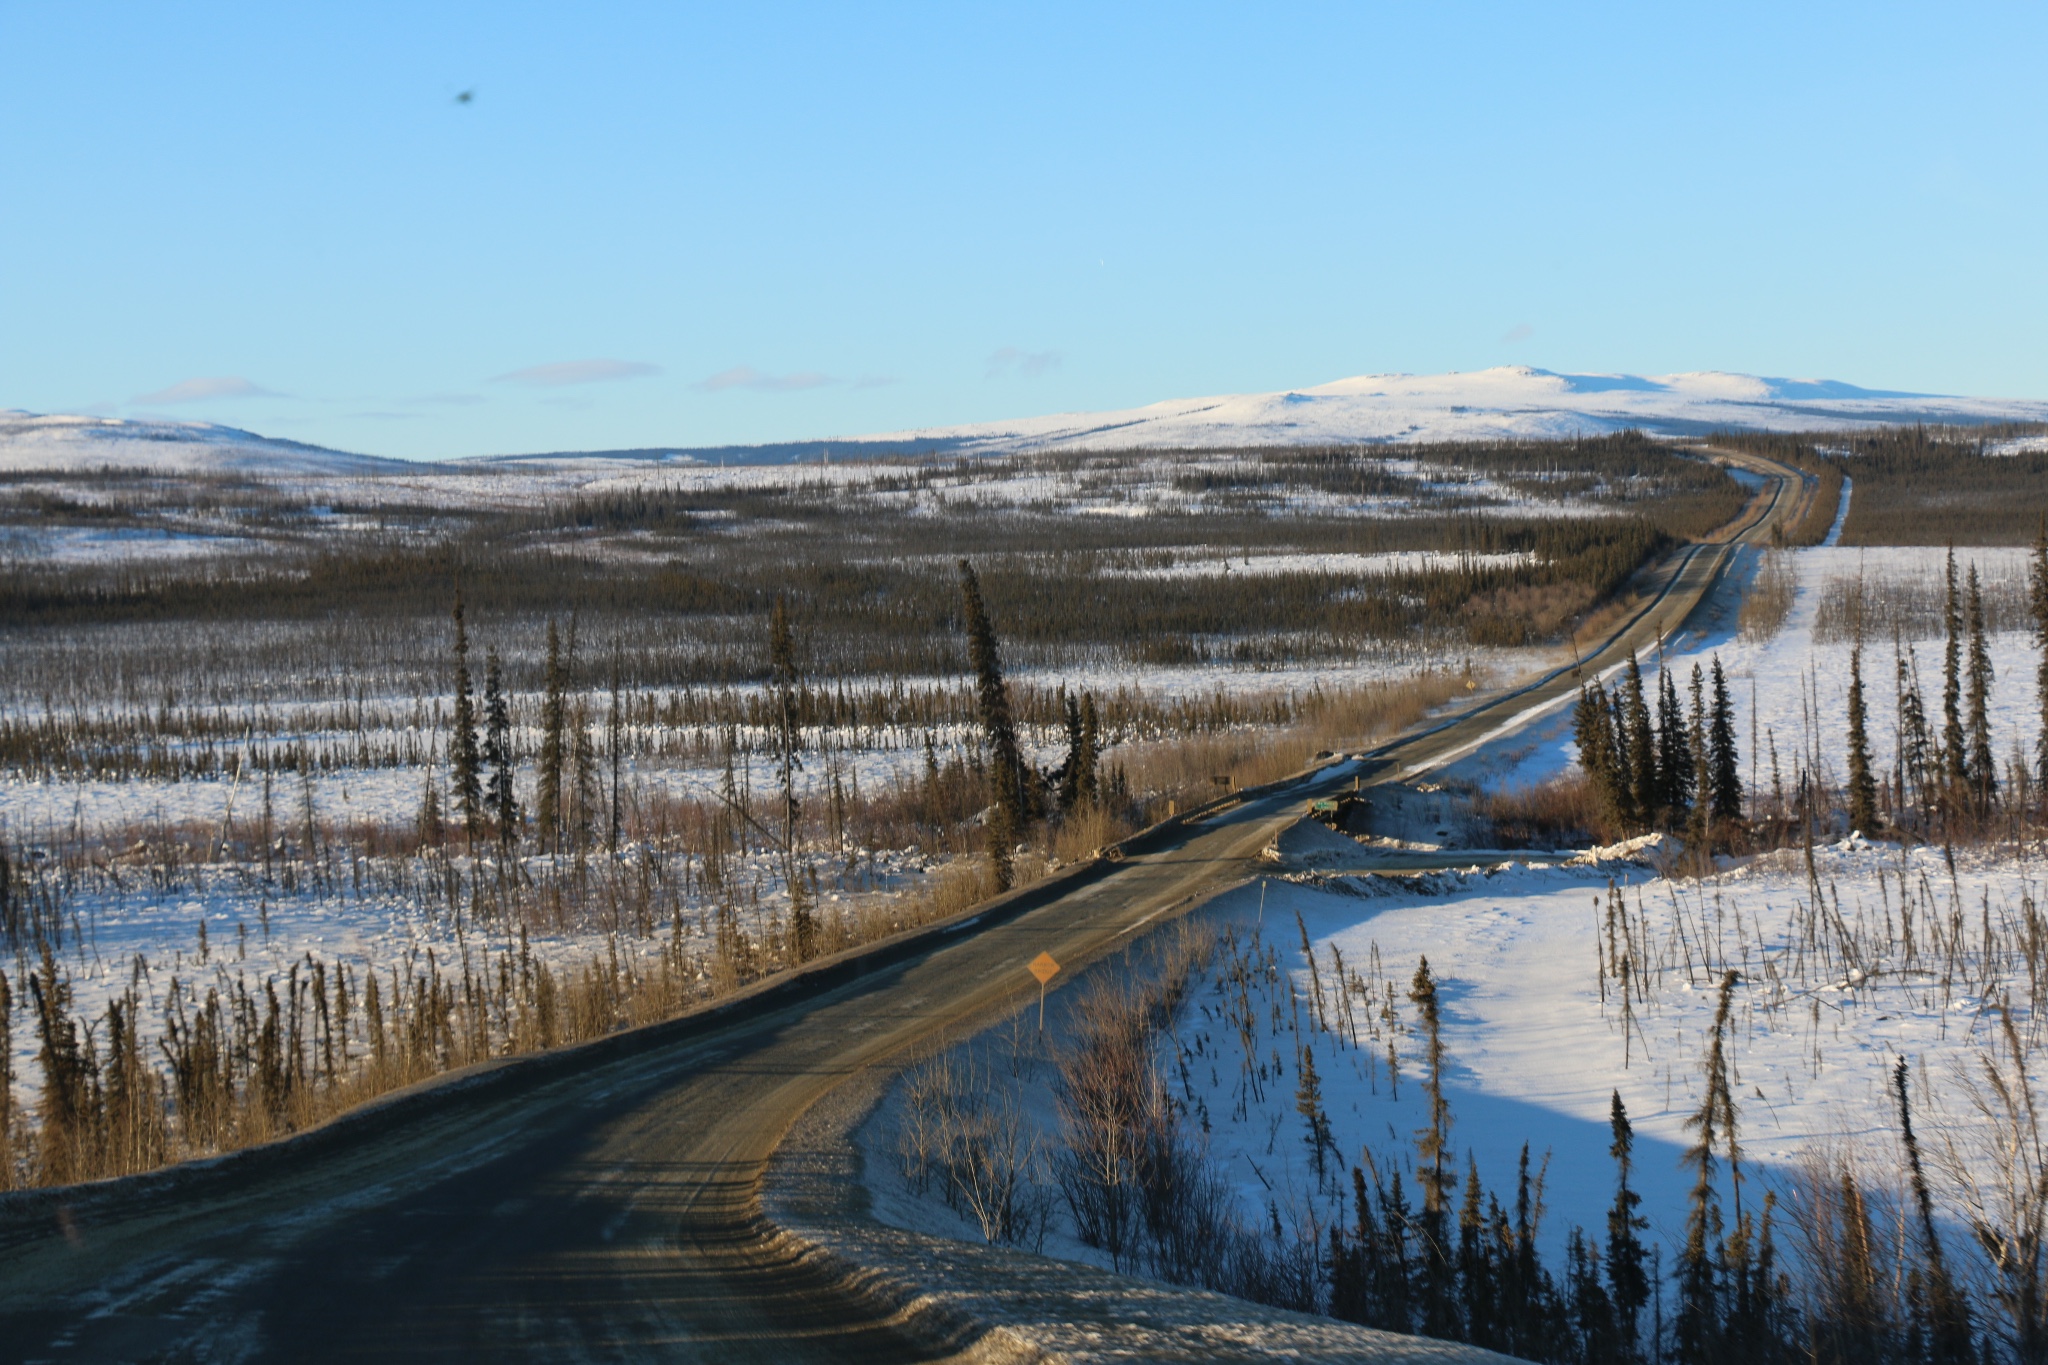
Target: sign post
x,y
1044,968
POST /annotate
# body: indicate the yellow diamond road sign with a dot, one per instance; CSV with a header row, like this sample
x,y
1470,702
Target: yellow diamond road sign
x,y
1043,967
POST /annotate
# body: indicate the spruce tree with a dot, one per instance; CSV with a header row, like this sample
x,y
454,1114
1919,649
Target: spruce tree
x,y
1091,750
554,724
1724,754
1674,756
1645,781
1699,827
1006,764
1432,1153
7,1177
431,828
1862,785
2037,603
1595,737
1982,765
1946,1307
503,799
1954,743
1308,1102
614,734
788,762
581,818
1624,772
1628,1277
463,757
1699,1328
1070,771
1917,751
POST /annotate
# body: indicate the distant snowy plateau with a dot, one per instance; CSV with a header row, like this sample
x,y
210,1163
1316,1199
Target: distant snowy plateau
x,y
1508,402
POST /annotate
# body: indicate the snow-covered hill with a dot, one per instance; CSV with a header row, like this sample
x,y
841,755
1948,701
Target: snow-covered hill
x,y
1511,401
1508,402
32,442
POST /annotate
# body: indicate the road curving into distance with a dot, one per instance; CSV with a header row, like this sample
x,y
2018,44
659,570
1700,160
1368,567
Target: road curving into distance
x,y
601,1202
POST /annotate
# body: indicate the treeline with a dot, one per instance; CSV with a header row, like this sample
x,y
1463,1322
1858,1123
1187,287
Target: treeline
x,y
1917,485
854,559
1666,763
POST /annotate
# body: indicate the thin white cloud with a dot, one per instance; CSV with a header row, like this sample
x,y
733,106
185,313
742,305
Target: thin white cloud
x,y
563,373
1521,331
747,377
198,390
1030,364
875,381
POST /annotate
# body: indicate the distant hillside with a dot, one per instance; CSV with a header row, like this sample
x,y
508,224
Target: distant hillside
x,y
71,444
1509,402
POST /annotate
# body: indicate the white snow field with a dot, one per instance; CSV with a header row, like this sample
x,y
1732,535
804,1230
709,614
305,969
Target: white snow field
x,y
1537,1039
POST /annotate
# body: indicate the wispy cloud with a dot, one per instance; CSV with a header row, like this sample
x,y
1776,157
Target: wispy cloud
x,y
875,381
198,390
1521,331
446,399
747,377
1030,364
563,373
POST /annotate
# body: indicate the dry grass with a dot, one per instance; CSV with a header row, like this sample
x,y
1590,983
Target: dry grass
x,y
1769,599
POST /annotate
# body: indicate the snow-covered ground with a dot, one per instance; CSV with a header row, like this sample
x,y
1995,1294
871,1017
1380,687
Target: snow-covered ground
x,y
1876,954
1536,1035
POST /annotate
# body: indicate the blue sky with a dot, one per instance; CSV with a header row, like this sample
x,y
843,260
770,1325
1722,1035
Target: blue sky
x,y
681,225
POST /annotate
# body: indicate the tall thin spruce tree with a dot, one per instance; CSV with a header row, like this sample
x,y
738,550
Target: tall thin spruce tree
x,y
1946,1307
1983,764
1595,737
554,725
2037,603
1645,781
1700,1327
1091,750
1917,749
464,758
788,763
1674,756
1954,743
6,1084
502,796
1628,1277
1725,754
1700,822
1437,1287
1862,784
1005,762
614,739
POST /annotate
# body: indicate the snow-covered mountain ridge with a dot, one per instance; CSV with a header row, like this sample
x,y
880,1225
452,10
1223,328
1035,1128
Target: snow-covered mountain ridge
x,y
1507,402
29,441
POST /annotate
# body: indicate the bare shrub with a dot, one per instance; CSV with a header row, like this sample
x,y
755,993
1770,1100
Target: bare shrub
x,y
1561,812
1769,599
975,1139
